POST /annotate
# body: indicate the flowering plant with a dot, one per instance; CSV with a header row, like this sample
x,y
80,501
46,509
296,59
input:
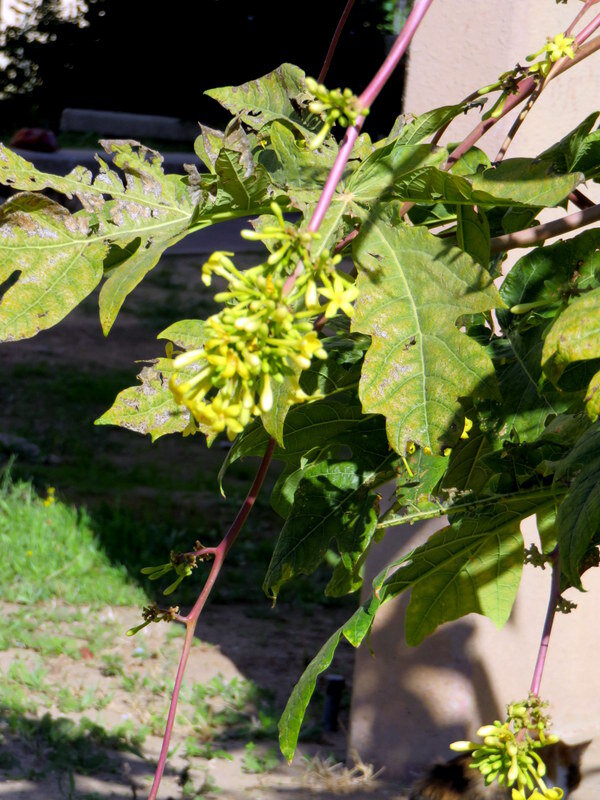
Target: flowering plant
x,y
370,344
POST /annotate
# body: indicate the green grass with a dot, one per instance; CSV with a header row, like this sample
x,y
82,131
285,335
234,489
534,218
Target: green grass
x,y
49,550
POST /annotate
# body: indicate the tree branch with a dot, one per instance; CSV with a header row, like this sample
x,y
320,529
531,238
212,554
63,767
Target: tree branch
x,y
334,42
532,236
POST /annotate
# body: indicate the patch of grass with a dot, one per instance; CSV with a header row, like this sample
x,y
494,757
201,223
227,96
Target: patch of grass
x,y
257,762
48,550
235,709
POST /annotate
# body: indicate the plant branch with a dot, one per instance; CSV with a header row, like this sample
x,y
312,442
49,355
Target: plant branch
x,y
334,42
527,86
388,520
532,236
548,622
517,124
192,618
580,199
588,4
369,95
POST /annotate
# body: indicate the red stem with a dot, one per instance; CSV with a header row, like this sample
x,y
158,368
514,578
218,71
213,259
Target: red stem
x,y
335,40
592,26
333,179
579,198
548,622
524,89
405,37
365,101
192,618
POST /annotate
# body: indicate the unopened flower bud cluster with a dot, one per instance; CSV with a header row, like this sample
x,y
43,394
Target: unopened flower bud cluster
x,y
339,107
265,331
508,752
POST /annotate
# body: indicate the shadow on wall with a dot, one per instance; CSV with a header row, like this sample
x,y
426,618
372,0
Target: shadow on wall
x,y
409,703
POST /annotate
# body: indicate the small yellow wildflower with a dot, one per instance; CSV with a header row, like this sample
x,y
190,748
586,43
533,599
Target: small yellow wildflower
x,y
341,294
555,49
50,496
29,553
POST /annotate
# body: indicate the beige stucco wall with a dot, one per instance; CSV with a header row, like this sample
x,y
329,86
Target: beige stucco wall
x,y
408,704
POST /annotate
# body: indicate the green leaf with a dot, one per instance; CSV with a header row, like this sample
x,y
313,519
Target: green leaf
x,y
473,234
524,182
578,519
298,167
331,502
58,259
473,565
578,150
413,288
141,215
274,97
574,336
248,185
354,631
514,182
547,276
425,125
313,431
387,166
283,399
293,714
592,398
149,407
416,492
187,333
467,471
527,398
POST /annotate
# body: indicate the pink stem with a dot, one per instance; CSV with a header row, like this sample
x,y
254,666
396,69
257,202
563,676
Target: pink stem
x,y
365,101
589,4
580,199
405,37
335,40
548,622
592,26
333,179
192,618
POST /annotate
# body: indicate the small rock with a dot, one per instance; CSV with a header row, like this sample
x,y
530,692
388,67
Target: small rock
x,y
19,446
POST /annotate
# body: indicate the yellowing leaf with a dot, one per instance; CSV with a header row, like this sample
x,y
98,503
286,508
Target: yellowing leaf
x,y
413,288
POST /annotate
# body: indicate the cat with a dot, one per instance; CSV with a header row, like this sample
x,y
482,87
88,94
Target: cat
x,y
455,780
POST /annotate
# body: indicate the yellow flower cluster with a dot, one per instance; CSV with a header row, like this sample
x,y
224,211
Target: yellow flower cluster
x,y
508,752
508,83
341,107
552,51
263,334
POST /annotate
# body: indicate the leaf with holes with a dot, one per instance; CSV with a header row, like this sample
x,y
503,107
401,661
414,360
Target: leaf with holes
x,y
57,258
280,95
149,407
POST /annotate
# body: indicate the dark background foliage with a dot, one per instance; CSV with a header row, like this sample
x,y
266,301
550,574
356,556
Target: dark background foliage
x,y
126,55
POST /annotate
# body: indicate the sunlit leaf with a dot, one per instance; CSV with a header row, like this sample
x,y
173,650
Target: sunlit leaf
x,y
413,288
